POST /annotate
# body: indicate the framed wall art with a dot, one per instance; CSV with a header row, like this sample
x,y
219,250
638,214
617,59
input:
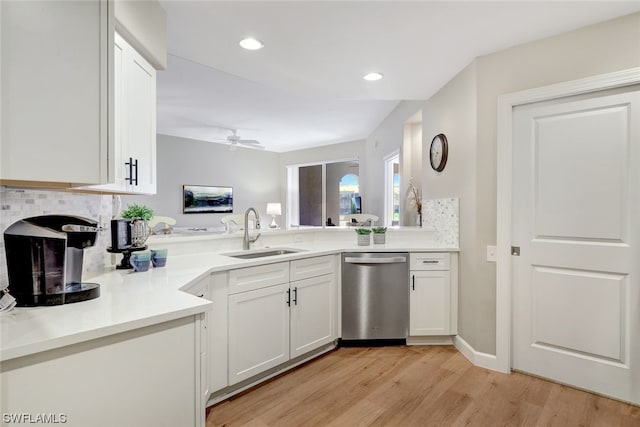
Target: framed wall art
x,y
207,199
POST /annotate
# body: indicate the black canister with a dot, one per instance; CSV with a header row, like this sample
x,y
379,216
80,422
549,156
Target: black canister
x,y
120,234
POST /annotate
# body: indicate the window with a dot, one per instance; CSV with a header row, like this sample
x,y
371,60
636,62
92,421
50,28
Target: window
x,y
321,194
349,194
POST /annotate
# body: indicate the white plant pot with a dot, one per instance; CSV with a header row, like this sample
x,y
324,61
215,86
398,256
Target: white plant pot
x,y
364,240
379,238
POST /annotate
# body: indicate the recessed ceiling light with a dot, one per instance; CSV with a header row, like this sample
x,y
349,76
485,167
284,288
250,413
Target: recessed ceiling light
x,y
251,44
372,77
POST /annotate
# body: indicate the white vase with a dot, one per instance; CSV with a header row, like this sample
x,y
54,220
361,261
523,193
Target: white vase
x,y
379,238
364,240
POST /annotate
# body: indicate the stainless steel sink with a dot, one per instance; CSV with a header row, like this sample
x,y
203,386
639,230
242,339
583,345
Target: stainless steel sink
x,y
262,253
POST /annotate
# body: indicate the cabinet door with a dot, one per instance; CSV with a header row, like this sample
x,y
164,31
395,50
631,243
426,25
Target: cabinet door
x,y
430,303
134,151
140,127
312,313
55,91
258,331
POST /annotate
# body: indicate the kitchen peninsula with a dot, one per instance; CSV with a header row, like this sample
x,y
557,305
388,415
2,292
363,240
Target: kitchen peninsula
x,y
143,353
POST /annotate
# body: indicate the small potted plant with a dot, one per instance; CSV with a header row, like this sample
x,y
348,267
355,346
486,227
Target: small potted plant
x,y
363,236
379,235
138,215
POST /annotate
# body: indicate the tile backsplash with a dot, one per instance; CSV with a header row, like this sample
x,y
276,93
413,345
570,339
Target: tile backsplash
x,y
16,204
443,215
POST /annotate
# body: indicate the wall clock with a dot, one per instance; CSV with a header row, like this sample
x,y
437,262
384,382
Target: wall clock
x,y
438,152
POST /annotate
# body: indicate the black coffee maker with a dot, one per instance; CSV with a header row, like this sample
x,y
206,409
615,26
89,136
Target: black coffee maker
x,y
44,259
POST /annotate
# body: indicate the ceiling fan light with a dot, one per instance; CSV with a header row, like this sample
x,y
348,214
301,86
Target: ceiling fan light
x,y
251,44
372,77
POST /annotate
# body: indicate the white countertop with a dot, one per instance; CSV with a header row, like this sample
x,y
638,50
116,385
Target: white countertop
x,y
131,300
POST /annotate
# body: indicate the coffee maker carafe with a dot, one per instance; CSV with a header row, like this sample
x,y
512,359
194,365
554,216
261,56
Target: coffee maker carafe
x,y
45,257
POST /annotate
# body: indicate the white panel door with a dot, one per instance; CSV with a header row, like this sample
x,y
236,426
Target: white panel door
x,y
576,213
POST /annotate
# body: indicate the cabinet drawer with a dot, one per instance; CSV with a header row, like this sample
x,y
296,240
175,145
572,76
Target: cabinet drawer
x,y
250,278
312,267
430,261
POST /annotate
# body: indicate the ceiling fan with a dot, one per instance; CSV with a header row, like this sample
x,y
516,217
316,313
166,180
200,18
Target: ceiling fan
x,y
234,140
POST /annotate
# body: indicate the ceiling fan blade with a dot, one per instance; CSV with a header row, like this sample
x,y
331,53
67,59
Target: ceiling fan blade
x,y
248,141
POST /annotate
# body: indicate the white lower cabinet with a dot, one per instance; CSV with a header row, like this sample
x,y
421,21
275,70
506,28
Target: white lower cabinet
x,y
312,313
433,294
258,331
429,311
143,377
270,325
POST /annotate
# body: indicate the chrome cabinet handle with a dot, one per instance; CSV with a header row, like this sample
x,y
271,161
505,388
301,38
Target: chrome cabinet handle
x,y
430,261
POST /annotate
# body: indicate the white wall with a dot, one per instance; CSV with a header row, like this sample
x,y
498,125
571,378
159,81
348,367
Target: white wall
x,y
253,174
465,110
452,111
383,141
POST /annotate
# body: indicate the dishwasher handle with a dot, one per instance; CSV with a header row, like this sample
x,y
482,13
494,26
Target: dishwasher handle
x,y
385,260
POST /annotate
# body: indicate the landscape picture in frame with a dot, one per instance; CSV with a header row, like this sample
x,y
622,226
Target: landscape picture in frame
x,y
207,199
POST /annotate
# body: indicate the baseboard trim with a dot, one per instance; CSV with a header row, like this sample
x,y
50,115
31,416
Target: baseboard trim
x,y
436,340
483,360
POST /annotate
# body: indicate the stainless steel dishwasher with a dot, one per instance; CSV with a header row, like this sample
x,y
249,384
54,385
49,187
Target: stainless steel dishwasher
x,y
375,296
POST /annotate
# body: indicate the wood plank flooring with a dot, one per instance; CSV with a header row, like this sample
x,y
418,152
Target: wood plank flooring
x,y
414,386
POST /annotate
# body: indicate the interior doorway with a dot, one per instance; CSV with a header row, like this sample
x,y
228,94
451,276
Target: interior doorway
x,y
568,235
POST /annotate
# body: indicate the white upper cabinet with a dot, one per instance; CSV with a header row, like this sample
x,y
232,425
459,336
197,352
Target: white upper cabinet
x,y
78,103
55,91
134,150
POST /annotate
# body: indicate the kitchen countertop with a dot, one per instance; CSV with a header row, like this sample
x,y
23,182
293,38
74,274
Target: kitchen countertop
x,y
131,300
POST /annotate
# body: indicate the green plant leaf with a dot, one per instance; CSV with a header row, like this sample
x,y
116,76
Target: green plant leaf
x,y
137,211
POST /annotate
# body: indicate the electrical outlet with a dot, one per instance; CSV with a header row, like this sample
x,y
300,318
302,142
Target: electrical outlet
x,y
492,253
297,238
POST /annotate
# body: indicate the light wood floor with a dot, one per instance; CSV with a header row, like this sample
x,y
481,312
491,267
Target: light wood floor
x,y
414,386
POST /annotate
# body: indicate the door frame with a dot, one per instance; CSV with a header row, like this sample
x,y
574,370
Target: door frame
x,y
506,104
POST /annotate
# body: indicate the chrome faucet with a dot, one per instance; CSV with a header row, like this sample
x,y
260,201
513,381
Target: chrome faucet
x,y
248,240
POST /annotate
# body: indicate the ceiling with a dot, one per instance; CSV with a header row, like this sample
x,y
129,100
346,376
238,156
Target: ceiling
x,y
305,87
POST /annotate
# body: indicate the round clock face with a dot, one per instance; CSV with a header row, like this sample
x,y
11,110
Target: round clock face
x,y
438,152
